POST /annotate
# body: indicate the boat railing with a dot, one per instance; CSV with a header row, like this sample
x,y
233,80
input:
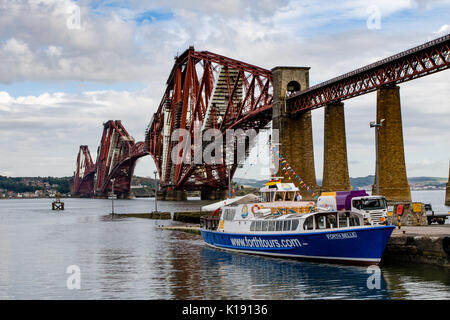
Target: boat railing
x,y
209,222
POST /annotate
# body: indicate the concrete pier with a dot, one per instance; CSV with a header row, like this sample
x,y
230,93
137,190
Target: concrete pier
x,y
189,216
185,228
393,182
335,163
429,245
294,130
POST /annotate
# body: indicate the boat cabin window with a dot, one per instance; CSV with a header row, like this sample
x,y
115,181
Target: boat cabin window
x,y
289,196
342,217
309,223
267,196
255,225
265,224
286,225
279,196
275,225
228,214
331,220
326,221
348,219
279,226
354,221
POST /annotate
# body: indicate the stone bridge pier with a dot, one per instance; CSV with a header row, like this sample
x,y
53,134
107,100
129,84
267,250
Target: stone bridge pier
x,y
296,139
393,181
294,130
335,163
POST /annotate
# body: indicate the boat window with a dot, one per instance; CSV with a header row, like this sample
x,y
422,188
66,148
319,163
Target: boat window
x,y
267,196
331,221
289,196
286,225
294,224
309,223
258,225
321,222
342,220
252,226
354,221
264,225
271,225
279,226
279,196
271,196
228,214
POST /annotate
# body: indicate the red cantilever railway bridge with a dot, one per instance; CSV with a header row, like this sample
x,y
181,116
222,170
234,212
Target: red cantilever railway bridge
x,y
224,93
116,160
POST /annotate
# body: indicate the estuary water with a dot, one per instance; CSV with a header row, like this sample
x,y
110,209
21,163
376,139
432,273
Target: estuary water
x,y
130,258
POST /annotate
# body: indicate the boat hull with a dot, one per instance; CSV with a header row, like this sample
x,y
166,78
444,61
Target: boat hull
x,y
355,246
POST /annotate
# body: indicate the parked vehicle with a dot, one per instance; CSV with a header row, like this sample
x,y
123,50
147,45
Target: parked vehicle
x,y
432,216
372,208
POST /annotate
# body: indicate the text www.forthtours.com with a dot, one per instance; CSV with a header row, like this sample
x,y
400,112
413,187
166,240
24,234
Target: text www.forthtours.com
x,y
256,242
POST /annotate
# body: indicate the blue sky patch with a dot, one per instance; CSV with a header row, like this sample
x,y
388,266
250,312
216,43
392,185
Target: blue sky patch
x,y
152,16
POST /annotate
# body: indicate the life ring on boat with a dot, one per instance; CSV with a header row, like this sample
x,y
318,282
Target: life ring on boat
x,y
257,208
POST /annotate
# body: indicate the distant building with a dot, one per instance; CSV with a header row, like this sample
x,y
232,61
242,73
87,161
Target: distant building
x,y
39,193
51,193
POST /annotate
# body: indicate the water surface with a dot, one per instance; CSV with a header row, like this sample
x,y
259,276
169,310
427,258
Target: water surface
x,y
131,258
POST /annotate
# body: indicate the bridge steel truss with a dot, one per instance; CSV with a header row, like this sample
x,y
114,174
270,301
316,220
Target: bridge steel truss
x,y
116,160
84,174
216,92
411,64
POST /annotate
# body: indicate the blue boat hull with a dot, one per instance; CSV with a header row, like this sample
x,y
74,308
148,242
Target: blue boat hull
x,y
356,246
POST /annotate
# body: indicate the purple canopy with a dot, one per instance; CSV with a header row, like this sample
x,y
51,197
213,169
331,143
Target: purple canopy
x,y
344,198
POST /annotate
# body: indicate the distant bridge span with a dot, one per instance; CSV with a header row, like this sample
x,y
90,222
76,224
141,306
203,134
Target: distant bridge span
x,y
116,160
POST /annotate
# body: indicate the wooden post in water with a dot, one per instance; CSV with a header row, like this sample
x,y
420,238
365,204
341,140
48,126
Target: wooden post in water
x,y
112,196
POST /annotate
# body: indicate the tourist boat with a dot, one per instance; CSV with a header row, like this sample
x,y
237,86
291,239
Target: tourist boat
x,y
275,224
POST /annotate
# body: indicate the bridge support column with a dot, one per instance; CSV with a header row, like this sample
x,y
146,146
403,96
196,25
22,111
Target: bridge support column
x,y
447,190
335,164
294,130
393,182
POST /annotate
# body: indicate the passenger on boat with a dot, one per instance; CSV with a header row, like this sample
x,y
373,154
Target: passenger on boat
x,y
298,197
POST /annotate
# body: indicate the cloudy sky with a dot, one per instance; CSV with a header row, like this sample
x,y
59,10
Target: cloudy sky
x,y
68,66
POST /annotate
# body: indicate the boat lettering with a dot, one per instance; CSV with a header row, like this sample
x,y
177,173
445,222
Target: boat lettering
x,y
343,235
257,242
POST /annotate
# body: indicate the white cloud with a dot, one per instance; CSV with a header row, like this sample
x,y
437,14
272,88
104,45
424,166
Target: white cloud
x,y
46,130
445,29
